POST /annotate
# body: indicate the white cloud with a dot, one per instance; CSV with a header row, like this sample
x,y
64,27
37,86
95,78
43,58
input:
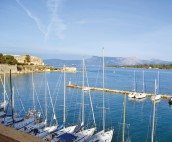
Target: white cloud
x,y
37,21
56,26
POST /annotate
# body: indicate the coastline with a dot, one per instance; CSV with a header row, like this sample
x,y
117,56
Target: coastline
x,y
25,69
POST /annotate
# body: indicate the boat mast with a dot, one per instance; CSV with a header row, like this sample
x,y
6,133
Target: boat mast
x,y
64,113
153,118
143,82
158,84
123,130
45,100
103,91
4,92
33,95
83,92
134,80
12,106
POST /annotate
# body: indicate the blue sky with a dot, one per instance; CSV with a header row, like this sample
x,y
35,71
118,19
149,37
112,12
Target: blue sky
x,y
73,28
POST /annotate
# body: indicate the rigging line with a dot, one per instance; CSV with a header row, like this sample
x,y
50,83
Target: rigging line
x,y
5,90
77,75
58,86
73,91
19,97
109,109
54,117
90,100
38,100
119,127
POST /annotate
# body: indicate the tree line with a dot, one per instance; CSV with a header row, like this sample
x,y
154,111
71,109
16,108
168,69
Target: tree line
x,y
10,60
147,66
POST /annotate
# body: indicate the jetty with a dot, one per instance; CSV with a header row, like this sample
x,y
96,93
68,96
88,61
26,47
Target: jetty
x,y
163,96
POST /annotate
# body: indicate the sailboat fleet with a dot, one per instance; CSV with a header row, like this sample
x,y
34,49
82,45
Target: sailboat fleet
x,y
32,123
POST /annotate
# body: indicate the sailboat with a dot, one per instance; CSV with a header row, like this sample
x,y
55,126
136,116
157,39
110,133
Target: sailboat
x,y
142,94
102,136
155,97
11,120
133,93
84,135
42,133
31,117
79,135
61,129
38,124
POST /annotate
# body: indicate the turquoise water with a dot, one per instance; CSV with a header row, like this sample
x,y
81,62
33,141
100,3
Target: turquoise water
x,y
138,114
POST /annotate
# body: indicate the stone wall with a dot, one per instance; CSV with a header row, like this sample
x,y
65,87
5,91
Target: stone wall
x,y
6,68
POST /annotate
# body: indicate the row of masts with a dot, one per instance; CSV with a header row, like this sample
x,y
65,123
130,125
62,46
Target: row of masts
x,y
64,107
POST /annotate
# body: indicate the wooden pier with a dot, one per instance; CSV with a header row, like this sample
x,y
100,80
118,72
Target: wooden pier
x,y
163,96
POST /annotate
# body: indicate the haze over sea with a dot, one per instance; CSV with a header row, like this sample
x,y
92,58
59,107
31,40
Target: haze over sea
x,y
138,114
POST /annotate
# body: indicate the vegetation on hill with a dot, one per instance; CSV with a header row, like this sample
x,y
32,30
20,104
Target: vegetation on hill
x,y
27,59
147,66
7,59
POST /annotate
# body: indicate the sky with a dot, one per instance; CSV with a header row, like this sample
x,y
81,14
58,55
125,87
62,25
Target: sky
x,y
70,29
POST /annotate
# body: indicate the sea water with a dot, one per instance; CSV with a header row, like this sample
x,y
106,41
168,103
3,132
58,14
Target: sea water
x,y
138,125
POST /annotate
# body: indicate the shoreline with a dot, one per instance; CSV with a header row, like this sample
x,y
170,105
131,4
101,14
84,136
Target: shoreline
x,y
25,69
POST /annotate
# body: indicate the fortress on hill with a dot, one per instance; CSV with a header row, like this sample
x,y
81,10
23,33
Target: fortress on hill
x,y
33,60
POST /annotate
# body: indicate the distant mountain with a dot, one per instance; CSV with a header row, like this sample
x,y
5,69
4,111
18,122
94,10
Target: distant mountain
x,y
109,61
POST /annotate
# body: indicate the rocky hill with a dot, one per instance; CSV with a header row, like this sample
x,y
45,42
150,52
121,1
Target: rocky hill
x,y
109,61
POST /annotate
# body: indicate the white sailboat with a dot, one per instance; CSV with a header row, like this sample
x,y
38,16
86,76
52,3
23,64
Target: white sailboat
x,y
10,120
32,119
61,129
82,135
142,94
42,133
155,97
133,93
102,136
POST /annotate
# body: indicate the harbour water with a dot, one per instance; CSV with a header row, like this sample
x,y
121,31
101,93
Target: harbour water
x,y
138,113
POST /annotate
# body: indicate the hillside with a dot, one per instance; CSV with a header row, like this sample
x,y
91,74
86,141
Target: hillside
x,y
109,61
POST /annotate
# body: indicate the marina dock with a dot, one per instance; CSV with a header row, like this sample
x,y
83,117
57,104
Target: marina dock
x,y
163,96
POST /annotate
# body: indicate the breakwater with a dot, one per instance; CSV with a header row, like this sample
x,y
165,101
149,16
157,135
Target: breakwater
x,y
163,96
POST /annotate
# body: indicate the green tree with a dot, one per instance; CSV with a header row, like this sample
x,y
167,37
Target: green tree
x,y
27,59
10,60
2,59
